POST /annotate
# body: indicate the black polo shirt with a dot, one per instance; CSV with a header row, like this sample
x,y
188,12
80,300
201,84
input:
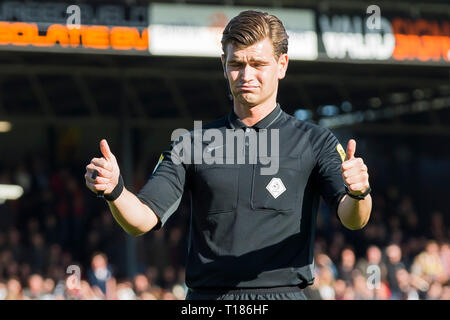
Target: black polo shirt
x,y
250,229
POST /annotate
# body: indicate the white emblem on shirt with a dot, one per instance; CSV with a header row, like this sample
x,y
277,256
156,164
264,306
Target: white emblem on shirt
x,y
276,187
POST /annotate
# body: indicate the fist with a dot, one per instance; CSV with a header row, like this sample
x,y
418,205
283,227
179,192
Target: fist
x,y
107,171
354,171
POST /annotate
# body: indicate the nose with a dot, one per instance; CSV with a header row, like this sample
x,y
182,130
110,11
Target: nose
x,y
246,73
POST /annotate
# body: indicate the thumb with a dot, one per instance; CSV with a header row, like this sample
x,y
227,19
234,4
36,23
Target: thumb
x,y
351,148
104,148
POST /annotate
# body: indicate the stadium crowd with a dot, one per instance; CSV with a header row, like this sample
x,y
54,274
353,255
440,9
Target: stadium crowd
x,y
59,225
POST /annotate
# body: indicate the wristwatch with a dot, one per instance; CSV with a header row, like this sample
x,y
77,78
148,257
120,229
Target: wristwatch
x,y
358,197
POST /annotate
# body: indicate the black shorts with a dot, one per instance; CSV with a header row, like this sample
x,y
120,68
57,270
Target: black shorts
x,y
278,293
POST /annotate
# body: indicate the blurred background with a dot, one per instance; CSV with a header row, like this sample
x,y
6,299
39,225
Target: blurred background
x,y
133,71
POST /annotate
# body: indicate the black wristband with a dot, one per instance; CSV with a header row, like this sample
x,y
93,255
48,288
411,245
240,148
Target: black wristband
x,y
358,197
116,192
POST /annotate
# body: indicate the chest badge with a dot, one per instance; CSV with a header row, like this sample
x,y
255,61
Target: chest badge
x,y
276,187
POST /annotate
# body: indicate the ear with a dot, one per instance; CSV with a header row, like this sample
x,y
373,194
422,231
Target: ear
x,y
223,66
283,62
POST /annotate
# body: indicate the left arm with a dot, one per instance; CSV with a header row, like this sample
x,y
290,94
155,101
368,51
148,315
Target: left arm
x,y
353,213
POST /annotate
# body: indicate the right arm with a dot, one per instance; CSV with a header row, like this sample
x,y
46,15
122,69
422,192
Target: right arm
x,y
133,216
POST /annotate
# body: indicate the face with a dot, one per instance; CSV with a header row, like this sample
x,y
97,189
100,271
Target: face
x,y
98,262
373,255
253,72
348,257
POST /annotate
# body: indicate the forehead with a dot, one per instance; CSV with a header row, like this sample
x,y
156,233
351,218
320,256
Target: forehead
x,y
261,50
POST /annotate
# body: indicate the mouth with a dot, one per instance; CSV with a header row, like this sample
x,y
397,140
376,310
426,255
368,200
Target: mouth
x,y
247,88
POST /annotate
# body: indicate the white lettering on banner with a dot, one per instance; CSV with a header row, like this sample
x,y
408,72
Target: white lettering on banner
x,y
303,46
196,30
178,40
343,37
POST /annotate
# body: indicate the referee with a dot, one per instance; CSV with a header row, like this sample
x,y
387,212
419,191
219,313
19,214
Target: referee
x,y
251,234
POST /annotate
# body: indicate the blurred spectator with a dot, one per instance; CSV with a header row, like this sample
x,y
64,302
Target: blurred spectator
x,y
444,254
428,264
349,293
347,265
72,288
179,292
141,284
326,283
58,222
169,277
361,290
152,275
168,295
181,278
14,245
407,291
14,289
100,275
38,253
3,291
336,246
446,292
48,289
340,286
435,291
24,272
125,291
35,289
394,263
87,293
373,258
382,291
148,295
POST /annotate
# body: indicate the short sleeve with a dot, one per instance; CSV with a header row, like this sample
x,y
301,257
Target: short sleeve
x,y
329,160
163,191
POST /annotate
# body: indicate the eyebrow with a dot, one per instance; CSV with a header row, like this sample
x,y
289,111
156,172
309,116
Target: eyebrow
x,y
251,60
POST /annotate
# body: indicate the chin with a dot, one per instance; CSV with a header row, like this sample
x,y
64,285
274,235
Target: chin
x,y
247,99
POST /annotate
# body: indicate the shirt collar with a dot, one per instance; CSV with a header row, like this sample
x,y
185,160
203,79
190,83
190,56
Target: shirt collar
x,y
264,123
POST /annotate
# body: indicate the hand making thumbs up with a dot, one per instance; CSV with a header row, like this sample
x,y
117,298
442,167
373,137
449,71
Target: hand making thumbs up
x,y
354,171
102,174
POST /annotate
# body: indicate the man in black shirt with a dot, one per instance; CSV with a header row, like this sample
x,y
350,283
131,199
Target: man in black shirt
x,y
253,215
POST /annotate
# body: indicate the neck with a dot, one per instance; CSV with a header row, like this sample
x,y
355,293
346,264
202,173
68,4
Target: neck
x,y
250,115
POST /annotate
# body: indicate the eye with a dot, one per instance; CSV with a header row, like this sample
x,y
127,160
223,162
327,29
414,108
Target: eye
x,y
259,64
234,64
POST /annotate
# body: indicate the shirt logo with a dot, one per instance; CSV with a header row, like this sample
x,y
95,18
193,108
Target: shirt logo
x,y
276,187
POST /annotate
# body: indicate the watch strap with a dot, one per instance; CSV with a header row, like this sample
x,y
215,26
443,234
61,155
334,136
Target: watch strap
x,y
357,197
